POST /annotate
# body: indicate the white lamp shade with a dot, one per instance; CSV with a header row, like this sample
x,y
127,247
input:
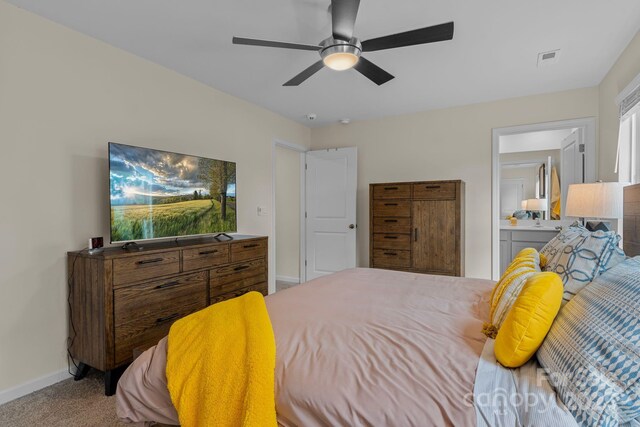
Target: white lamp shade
x,y
537,204
595,200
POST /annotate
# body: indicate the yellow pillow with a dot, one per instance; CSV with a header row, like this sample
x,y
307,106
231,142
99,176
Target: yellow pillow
x,y
523,266
543,260
529,320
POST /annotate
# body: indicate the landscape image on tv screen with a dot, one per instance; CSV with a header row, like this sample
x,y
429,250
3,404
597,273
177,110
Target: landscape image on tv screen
x,y
158,194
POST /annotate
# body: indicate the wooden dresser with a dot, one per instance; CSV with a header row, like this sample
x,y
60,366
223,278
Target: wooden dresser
x,y
122,300
417,226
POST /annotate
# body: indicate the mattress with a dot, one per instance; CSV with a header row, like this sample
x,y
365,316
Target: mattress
x,y
360,347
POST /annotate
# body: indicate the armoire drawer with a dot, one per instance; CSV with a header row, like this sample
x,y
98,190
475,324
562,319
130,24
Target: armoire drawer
x,y
401,208
391,225
391,258
392,241
392,191
434,191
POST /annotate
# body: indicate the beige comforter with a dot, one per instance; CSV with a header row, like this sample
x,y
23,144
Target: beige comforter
x,y
361,347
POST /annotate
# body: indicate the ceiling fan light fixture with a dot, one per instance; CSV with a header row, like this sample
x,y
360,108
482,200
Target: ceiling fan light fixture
x,y
340,55
341,61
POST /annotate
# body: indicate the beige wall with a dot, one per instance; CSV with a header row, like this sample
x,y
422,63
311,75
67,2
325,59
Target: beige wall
x,y
63,96
452,143
287,213
626,68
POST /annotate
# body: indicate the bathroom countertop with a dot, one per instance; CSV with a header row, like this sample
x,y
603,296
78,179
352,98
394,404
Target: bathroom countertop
x,y
527,228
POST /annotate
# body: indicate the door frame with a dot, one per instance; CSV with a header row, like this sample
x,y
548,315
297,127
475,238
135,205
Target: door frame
x,y
272,241
588,125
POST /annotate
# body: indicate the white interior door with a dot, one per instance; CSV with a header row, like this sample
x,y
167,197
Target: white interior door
x,y
331,181
572,164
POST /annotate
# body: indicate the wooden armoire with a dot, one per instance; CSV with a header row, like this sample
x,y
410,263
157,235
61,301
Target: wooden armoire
x,y
417,226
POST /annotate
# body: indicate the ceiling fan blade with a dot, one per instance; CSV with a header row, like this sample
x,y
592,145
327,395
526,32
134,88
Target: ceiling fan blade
x,y
305,74
343,18
268,43
436,33
372,71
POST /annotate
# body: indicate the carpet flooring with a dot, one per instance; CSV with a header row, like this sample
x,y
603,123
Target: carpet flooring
x,y
68,403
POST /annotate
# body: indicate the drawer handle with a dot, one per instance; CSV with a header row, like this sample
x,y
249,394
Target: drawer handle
x,y
255,245
391,204
390,188
242,267
390,237
390,220
167,318
149,261
415,234
391,253
208,252
431,187
168,284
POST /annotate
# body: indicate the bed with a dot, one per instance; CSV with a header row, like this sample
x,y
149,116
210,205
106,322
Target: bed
x,y
376,347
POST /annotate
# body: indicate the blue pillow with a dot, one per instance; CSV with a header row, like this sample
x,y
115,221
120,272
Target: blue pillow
x,y
592,352
579,255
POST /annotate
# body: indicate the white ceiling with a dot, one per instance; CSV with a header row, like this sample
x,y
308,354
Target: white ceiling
x,y
492,56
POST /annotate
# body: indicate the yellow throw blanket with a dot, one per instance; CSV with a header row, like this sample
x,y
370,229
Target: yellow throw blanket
x,y
221,365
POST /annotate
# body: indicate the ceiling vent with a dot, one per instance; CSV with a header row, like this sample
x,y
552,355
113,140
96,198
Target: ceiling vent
x,y
548,58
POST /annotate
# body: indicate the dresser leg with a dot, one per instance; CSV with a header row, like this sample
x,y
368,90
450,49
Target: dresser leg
x,y
111,380
82,371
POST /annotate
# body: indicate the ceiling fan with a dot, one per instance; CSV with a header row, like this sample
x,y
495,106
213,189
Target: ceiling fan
x,y
342,51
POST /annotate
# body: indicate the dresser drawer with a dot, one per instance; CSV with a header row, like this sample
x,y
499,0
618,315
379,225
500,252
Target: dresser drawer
x,y
203,257
232,277
391,225
401,208
260,287
434,191
141,267
391,258
392,191
392,241
144,313
241,251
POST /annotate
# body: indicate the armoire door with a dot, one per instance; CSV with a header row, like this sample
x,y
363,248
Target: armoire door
x,y
434,236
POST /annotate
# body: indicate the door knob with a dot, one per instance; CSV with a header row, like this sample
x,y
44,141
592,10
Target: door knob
x,y
352,226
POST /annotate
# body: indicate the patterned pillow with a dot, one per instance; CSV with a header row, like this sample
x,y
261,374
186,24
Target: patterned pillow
x,y
579,255
592,352
505,292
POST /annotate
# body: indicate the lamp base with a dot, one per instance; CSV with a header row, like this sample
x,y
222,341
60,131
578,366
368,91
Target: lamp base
x,y
598,225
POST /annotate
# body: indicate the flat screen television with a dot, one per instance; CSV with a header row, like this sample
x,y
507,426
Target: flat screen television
x,y
158,194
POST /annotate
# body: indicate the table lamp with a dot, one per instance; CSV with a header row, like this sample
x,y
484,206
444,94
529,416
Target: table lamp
x,y
537,205
598,200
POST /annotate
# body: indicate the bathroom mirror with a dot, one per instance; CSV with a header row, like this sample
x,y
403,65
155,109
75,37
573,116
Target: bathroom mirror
x,y
536,169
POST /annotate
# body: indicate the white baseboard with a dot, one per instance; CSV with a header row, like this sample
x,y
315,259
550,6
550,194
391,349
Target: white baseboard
x,y
33,385
288,279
